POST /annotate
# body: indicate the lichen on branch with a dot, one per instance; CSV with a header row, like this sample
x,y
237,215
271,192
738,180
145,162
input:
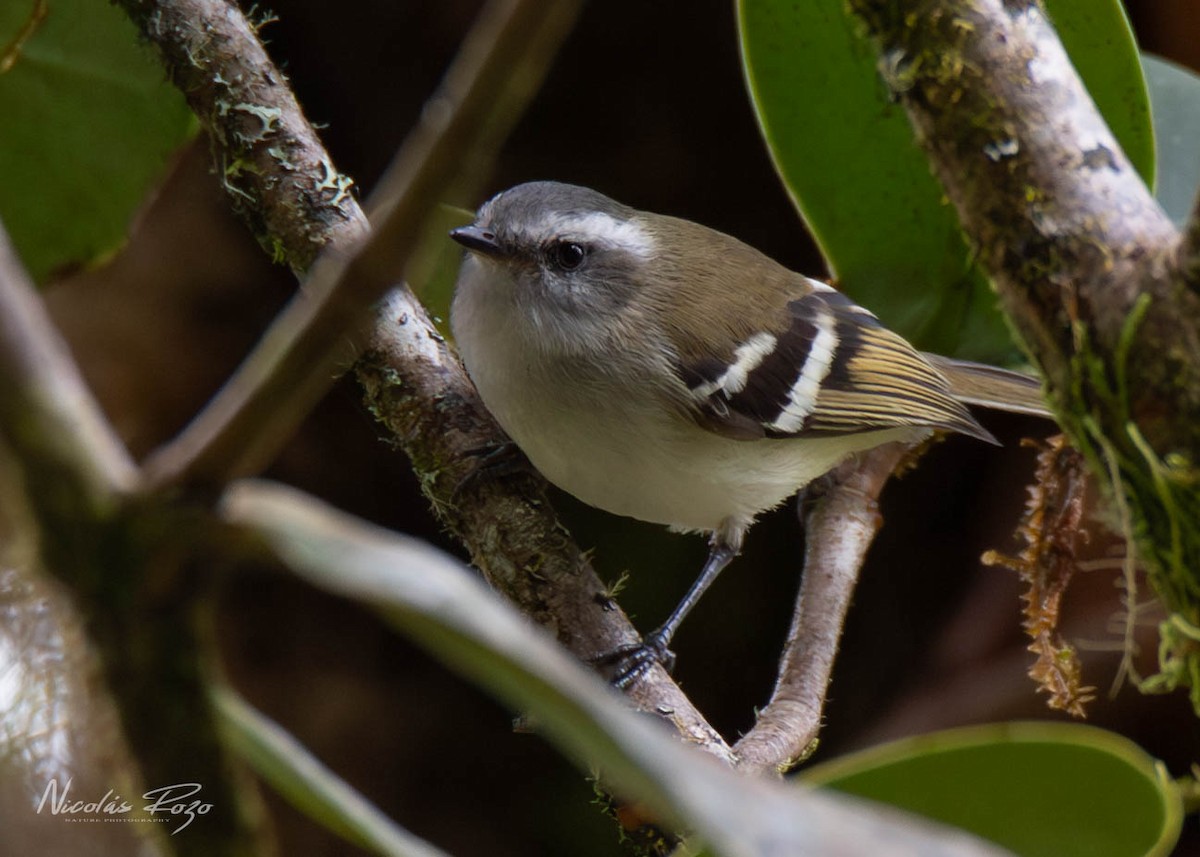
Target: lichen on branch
x,y
1088,268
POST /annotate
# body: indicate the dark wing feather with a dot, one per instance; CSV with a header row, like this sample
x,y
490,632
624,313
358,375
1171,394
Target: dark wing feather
x,y
834,369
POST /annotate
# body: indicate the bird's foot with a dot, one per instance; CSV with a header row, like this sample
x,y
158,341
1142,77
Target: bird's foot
x,y
626,665
493,461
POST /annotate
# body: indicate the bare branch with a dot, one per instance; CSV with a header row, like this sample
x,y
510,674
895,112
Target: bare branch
x,y
838,532
77,466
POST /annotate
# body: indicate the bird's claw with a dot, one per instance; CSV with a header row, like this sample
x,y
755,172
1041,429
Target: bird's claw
x,y
493,461
626,665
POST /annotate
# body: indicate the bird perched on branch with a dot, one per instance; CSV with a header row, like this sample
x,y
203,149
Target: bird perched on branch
x,y
656,368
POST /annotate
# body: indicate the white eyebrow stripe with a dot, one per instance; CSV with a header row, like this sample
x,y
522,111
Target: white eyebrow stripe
x,y
604,228
748,357
802,400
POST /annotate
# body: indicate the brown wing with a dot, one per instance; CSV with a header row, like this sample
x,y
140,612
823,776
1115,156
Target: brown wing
x,y
834,369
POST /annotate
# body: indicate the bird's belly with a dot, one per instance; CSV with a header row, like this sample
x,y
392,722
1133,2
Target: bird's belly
x,y
630,473
662,469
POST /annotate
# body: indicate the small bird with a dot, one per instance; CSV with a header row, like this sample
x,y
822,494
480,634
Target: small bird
x,y
655,368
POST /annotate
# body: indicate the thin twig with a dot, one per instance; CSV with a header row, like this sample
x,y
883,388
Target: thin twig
x,y
839,531
47,413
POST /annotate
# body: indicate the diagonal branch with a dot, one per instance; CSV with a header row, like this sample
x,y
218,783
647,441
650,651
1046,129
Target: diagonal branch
x,y
278,175
1067,229
47,413
1088,267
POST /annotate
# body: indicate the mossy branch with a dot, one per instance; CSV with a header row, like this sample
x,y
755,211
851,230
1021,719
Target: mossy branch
x,y
1087,266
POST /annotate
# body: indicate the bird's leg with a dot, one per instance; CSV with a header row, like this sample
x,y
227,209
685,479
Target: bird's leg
x,y
719,556
628,664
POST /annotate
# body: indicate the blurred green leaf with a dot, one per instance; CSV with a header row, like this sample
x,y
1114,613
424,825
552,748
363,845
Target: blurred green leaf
x,y
434,268
89,123
308,785
1175,100
846,154
1039,789
436,601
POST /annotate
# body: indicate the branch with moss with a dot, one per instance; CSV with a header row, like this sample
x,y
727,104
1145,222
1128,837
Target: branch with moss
x,y
274,168
1088,268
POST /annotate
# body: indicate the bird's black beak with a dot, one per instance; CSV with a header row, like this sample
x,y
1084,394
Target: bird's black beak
x,y
478,239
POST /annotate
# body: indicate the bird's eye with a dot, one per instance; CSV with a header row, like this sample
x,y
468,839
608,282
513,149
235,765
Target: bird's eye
x,y
568,255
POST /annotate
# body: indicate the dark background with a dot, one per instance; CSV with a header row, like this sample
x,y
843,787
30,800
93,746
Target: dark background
x,y
645,102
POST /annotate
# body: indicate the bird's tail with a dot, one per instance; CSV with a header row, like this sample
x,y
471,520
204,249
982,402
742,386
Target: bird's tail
x,y
990,387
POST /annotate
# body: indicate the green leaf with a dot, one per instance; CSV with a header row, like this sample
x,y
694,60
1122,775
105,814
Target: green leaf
x,y
1102,47
89,122
846,153
433,599
433,270
1175,99
307,784
1039,789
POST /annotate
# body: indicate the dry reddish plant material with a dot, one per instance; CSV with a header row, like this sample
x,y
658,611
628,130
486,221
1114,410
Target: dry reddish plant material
x,y
1052,533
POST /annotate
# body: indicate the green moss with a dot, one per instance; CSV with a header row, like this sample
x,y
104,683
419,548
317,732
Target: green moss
x,y
1162,496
